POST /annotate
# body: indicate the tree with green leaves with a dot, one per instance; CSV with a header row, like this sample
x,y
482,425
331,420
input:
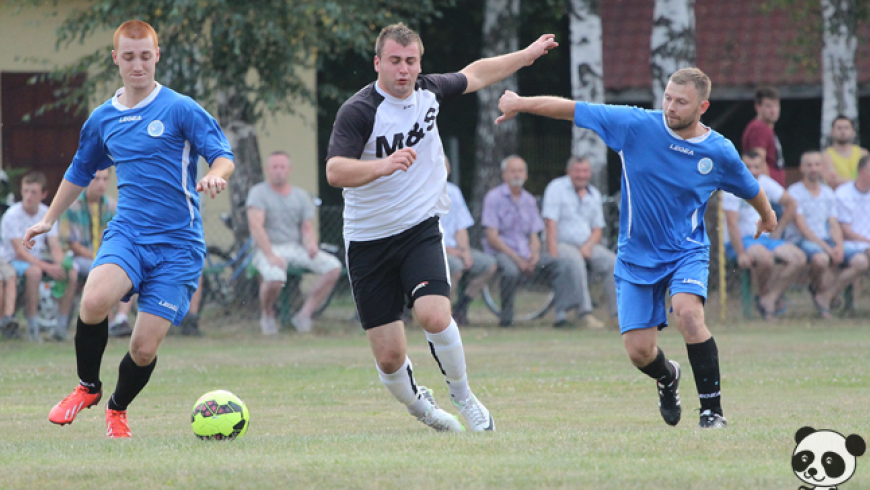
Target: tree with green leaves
x,y
243,60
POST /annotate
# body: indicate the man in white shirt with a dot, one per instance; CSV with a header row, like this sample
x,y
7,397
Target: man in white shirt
x,y
774,262
33,263
853,207
464,262
817,232
574,220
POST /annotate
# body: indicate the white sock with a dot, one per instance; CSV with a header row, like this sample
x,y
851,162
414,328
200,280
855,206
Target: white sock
x,y
120,317
402,386
448,352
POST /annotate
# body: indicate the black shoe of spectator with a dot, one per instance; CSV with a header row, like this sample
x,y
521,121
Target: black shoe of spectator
x,y
121,329
190,326
505,323
563,323
461,317
9,328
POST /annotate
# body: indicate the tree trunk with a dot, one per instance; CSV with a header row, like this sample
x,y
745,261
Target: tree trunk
x,y
493,143
672,44
587,82
234,114
839,76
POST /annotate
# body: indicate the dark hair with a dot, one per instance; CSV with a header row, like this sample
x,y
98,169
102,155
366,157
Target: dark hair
x,y
766,93
279,153
400,33
576,159
843,117
863,162
35,177
751,154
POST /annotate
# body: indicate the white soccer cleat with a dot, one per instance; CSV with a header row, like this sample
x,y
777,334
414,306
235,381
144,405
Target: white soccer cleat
x,y
477,416
437,418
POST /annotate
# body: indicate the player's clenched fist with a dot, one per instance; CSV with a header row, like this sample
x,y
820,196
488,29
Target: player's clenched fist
x,y
508,104
399,160
211,184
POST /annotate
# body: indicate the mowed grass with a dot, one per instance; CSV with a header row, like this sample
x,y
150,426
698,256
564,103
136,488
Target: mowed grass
x,y
571,412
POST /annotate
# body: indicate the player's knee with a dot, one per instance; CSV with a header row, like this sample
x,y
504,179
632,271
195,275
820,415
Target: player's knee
x,y
143,352
433,320
94,307
390,360
641,354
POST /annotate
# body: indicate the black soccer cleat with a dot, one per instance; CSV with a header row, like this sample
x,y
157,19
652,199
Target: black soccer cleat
x,y
669,398
712,420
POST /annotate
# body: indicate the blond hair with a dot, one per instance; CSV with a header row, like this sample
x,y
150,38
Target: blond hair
x,y
694,76
399,33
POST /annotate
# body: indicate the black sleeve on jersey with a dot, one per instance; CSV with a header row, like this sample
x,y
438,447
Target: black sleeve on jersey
x,y
446,87
354,124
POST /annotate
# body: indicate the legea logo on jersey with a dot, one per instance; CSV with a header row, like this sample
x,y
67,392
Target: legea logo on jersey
x,y
155,128
168,305
705,166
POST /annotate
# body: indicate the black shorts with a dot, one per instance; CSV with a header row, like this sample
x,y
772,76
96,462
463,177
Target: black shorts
x,y
388,273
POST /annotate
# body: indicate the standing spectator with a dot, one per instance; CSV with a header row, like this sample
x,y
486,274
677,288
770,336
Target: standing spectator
x,y
574,219
463,261
774,262
512,223
832,266
840,160
853,207
760,137
87,218
34,262
280,218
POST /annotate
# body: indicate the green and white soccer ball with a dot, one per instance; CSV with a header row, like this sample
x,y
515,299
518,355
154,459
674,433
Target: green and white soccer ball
x,y
219,415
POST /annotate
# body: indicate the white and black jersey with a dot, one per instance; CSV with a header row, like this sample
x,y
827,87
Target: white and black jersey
x,y
371,125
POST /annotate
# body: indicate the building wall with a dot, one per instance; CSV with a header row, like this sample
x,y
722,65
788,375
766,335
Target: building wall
x,y
29,35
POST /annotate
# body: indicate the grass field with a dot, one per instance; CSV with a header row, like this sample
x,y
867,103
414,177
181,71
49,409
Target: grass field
x,y
570,411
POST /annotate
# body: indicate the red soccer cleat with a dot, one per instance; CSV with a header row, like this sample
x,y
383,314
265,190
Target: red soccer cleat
x,y
65,412
116,424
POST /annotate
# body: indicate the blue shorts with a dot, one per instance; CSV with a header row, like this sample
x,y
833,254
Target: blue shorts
x,y
164,276
20,266
643,305
849,249
748,241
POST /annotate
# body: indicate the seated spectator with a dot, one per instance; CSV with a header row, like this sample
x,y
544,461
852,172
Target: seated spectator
x,y
773,262
840,160
87,219
512,223
279,216
464,262
8,296
31,263
853,208
574,219
818,234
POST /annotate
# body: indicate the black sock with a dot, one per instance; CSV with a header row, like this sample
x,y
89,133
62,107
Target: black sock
x,y
705,366
131,379
90,343
660,369
462,303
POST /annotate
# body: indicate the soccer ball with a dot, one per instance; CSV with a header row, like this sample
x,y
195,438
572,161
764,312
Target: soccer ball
x,y
219,415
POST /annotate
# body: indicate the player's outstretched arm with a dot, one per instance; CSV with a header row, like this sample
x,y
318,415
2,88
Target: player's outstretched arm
x,y
215,181
485,72
66,194
767,223
511,104
351,172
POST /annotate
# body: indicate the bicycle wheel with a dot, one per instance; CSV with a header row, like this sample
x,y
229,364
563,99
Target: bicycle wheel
x,y
533,298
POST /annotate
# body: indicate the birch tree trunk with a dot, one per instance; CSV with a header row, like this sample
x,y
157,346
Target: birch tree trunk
x,y
839,75
587,82
672,44
493,143
234,114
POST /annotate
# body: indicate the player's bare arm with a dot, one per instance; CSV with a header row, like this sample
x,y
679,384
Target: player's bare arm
x,y
511,104
351,172
484,72
215,181
66,195
767,223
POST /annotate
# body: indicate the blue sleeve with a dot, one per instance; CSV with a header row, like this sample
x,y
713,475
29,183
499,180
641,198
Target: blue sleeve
x,y
204,132
736,178
91,156
611,122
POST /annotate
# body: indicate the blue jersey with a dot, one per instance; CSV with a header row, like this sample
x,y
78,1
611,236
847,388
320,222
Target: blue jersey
x,y
666,183
154,148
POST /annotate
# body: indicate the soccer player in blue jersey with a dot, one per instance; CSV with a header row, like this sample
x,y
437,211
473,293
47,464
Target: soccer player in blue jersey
x,y
671,165
154,246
